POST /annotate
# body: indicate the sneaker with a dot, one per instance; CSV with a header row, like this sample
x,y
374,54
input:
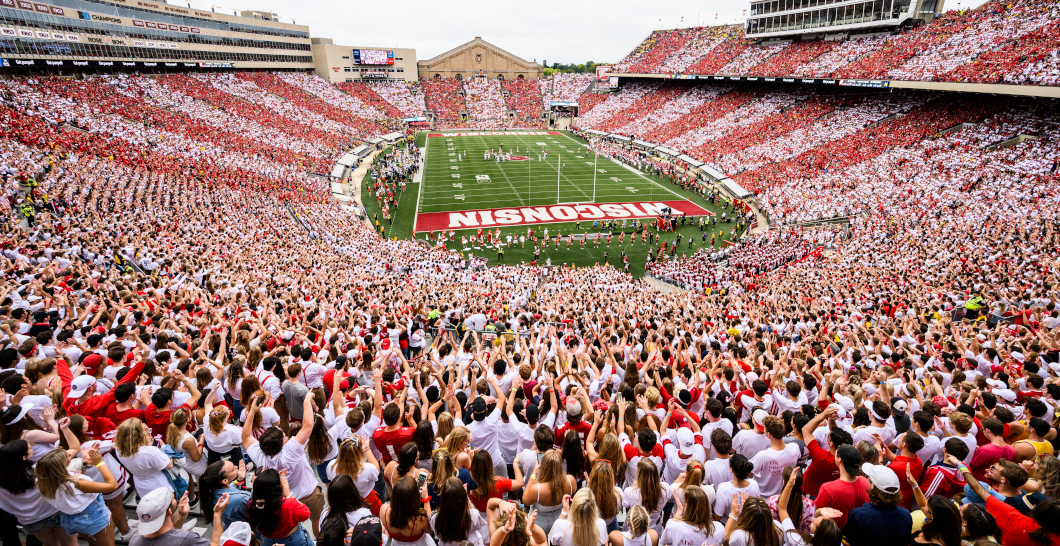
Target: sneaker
x,y
190,524
124,537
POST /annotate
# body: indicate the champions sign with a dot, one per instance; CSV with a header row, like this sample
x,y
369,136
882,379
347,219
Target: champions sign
x,y
551,214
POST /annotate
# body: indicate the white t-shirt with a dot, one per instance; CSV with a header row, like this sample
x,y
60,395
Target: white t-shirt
x,y
146,466
365,481
679,533
29,507
723,500
230,438
476,535
749,442
562,533
293,458
716,472
739,537
631,497
71,500
484,436
769,468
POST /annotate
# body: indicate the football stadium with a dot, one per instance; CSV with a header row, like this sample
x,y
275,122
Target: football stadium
x,y
791,280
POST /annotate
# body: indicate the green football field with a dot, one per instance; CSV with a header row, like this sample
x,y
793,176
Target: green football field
x,y
453,181
455,185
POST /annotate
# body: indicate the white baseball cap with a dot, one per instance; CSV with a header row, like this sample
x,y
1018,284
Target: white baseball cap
x,y
237,534
685,440
151,512
882,478
80,385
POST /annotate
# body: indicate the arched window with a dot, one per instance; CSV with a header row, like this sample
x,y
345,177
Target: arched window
x,y
459,77
437,76
500,76
520,76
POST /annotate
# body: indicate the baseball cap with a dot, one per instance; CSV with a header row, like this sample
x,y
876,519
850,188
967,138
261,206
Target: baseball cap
x,y
151,512
574,407
533,413
898,405
479,408
759,417
385,344
367,532
685,440
80,385
237,534
92,362
882,478
851,459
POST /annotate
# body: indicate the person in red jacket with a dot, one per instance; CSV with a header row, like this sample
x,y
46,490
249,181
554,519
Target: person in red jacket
x,y
79,394
157,414
946,479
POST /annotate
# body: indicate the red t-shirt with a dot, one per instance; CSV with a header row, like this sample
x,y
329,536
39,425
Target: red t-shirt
x,y
388,443
986,455
898,465
822,469
502,486
844,496
119,416
582,428
292,512
1015,527
158,420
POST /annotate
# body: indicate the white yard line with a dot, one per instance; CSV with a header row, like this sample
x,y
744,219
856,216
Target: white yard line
x,y
632,170
503,172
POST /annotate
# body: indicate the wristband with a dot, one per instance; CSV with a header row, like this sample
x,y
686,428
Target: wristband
x,y
426,499
99,464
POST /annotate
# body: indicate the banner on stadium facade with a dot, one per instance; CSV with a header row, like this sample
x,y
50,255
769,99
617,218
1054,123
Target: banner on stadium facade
x,y
520,216
411,120
864,83
566,104
495,133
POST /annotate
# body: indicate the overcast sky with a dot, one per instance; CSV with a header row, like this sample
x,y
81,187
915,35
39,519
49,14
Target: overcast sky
x,y
562,31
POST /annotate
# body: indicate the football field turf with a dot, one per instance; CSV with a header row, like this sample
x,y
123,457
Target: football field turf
x,y
463,193
456,177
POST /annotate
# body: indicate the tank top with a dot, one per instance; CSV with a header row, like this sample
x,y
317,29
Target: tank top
x,y
195,468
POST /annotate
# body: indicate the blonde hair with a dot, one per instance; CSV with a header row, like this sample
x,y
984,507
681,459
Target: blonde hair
x,y
583,515
637,521
445,425
457,440
550,472
652,396
52,473
351,457
218,418
611,450
131,436
442,468
178,419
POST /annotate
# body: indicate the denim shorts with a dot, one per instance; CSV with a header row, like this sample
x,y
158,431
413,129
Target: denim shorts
x,y
300,537
54,521
93,519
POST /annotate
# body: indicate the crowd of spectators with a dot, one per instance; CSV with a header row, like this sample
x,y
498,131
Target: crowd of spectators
x,y
189,318
1014,42
485,102
524,97
444,97
565,87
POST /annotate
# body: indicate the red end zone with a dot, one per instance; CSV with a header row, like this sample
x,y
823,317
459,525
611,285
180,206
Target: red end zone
x,y
550,214
495,133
